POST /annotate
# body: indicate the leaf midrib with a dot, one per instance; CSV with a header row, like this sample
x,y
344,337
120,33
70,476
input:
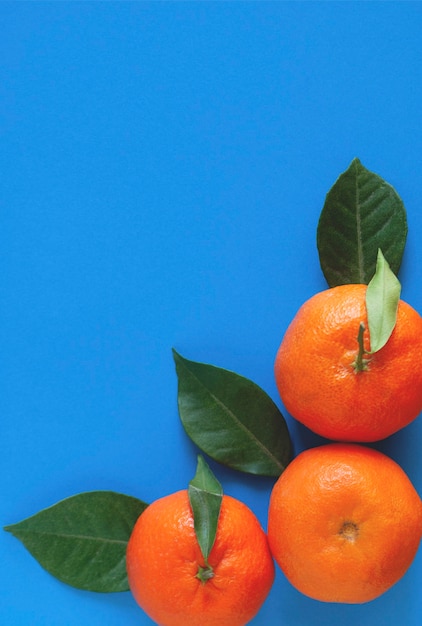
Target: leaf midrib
x,y
359,230
248,432
24,532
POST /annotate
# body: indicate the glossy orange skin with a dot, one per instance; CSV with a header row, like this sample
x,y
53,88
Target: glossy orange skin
x,y
163,557
344,523
317,381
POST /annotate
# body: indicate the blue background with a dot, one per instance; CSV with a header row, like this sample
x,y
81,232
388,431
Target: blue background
x,y
163,168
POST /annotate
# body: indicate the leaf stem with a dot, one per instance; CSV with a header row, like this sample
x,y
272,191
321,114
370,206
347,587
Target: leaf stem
x,y
360,364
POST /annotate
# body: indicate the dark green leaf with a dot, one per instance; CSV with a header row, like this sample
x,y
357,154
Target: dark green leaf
x,y
205,495
361,214
231,419
82,540
382,299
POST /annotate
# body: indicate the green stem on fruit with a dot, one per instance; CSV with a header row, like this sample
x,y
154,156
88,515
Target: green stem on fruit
x,y
205,573
360,364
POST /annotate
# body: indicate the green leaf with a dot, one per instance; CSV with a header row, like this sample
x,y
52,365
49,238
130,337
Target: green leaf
x,y
205,496
231,419
82,540
361,214
382,300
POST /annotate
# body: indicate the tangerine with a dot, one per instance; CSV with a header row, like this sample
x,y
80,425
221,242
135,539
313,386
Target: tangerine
x,y
170,580
344,523
320,383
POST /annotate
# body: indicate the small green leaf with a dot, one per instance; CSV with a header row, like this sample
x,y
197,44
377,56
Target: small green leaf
x,y
361,214
205,495
82,540
382,299
231,419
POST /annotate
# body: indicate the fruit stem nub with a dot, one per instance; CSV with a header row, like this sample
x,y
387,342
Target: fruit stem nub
x,y
205,573
360,364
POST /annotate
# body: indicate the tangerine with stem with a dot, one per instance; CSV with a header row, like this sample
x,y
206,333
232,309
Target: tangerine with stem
x,y
330,382
170,579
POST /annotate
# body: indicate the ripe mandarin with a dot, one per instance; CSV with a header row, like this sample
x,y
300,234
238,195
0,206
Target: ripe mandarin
x,y
164,561
344,523
318,382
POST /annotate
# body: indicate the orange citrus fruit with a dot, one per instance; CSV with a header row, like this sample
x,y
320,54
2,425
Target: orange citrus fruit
x,y
170,580
317,378
344,523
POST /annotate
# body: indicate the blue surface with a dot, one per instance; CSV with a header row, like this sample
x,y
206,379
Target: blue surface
x,y
163,167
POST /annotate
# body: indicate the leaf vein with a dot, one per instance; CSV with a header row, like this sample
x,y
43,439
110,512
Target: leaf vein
x,y
236,420
71,536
